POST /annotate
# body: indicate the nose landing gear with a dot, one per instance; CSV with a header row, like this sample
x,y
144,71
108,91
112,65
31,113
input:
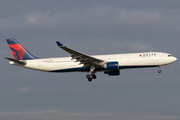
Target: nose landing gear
x,y
159,71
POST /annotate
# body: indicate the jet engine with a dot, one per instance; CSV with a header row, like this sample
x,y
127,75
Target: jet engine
x,y
111,66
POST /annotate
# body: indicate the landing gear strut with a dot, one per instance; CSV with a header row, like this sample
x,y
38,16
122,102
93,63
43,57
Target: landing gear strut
x,y
92,74
159,71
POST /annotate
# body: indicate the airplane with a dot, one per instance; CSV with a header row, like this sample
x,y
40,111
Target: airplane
x,y
79,62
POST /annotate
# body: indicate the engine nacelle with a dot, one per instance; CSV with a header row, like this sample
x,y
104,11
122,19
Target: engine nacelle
x,y
111,66
112,73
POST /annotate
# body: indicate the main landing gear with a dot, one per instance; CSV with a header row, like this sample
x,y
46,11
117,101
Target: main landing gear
x,y
90,77
92,74
159,71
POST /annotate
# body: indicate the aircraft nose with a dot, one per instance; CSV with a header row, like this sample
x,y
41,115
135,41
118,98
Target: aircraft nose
x,y
174,59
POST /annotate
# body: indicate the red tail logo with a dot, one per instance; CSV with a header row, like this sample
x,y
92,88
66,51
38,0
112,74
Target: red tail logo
x,y
19,52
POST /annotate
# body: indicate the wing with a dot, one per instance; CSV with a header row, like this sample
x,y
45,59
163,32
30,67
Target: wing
x,y
81,57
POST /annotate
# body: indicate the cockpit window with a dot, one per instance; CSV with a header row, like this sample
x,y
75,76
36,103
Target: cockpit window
x,y
169,55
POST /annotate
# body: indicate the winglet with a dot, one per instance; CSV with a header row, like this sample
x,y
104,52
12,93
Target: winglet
x,y
59,44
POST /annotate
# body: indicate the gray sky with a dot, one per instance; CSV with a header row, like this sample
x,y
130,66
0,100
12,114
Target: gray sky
x,y
92,27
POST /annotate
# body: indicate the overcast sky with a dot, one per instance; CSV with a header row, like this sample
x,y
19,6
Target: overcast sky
x,y
92,27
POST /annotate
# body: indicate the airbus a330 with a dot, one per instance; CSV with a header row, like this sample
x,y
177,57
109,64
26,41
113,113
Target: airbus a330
x,y
79,62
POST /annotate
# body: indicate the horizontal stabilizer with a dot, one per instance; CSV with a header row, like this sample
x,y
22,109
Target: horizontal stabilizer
x,y
16,61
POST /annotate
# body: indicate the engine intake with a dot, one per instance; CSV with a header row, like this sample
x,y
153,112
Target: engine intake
x,y
111,66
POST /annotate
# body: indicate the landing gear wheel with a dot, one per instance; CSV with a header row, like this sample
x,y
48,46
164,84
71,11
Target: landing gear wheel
x,y
89,78
94,77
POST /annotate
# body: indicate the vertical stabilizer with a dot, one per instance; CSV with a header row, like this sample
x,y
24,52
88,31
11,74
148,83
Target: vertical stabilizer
x,y
19,52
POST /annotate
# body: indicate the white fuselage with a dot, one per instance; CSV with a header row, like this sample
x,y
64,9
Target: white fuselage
x,y
131,60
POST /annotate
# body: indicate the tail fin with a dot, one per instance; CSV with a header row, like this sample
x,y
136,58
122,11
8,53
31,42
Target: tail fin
x,y
19,52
